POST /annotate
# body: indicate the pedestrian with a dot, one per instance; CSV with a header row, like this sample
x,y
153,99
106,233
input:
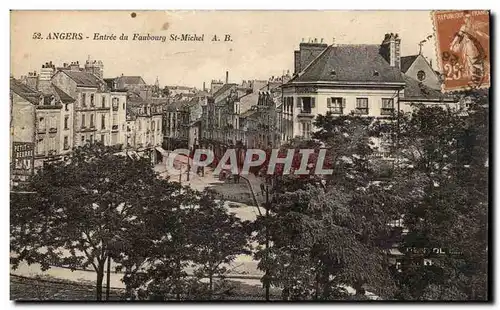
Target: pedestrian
x,y
262,188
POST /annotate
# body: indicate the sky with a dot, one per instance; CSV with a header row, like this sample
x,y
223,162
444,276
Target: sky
x,y
262,41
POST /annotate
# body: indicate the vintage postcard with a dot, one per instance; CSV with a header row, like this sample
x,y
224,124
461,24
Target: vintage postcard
x,y
249,155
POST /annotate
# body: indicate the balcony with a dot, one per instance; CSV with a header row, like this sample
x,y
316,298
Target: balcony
x,y
53,130
304,113
115,107
87,129
114,128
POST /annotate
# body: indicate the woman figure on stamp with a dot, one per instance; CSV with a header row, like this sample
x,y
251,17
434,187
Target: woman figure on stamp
x,y
466,43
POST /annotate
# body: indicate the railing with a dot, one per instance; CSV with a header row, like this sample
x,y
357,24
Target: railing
x,y
387,111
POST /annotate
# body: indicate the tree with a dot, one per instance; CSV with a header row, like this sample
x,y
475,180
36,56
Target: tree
x,y
218,237
445,153
326,237
80,209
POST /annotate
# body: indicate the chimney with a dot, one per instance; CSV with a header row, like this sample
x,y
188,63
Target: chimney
x,y
390,49
204,86
307,53
44,78
227,77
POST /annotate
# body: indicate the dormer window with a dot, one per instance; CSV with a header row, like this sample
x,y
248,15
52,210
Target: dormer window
x,y
375,73
333,73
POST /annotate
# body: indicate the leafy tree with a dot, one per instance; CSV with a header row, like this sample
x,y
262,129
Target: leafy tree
x,y
445,153
326,237
217,236
80,209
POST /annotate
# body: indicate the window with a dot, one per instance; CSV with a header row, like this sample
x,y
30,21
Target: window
x,y
41,123
103,121
336,105
158,127
66,107
83,140
40,146
421,75
66,120
91,100
66,142
115,104
91,120
123,105
83,121
306,129
103,102
387,106
306,104
102,139
362,106
84,100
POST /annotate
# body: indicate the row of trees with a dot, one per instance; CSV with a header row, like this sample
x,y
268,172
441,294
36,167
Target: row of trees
x,y
100,207
320,234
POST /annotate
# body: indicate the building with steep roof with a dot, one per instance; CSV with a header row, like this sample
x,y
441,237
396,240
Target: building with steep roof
x,y
355,78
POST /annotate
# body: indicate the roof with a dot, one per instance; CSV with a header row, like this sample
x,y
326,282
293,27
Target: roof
x,y
223,89
83,78
26,92
248,113
350,63
418,91
62,95
178,105
407,61
130,80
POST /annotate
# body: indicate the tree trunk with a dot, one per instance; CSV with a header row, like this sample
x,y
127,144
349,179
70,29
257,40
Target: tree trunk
x,y
178,293
100,277
211,286
108,276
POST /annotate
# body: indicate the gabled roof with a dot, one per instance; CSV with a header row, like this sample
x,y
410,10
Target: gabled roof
x,y
82,78
26,92
350,63
130,80
65,98
407,61
415,90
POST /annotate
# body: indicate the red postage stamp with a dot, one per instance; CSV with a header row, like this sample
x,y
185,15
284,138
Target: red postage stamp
x,y
463,48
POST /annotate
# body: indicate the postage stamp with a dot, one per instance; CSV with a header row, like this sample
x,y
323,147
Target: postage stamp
x,y
463,48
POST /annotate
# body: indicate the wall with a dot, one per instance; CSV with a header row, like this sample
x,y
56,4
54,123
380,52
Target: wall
x,y
23,116
374,101
431,79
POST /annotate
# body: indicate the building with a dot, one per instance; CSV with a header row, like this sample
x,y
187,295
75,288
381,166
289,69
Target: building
x,y
176,125
144,127
364,79
23,133
99,111
418,68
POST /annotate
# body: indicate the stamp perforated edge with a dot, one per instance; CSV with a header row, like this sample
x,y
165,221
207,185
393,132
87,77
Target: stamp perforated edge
x,y
439,60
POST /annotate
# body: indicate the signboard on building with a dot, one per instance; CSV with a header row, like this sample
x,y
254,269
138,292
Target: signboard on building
x,y
22,159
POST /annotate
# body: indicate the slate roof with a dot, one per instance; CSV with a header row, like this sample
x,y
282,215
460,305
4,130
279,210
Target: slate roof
x,y
407,61
223,89
82,78
62,95
26,92
351,63
130,80
415,90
